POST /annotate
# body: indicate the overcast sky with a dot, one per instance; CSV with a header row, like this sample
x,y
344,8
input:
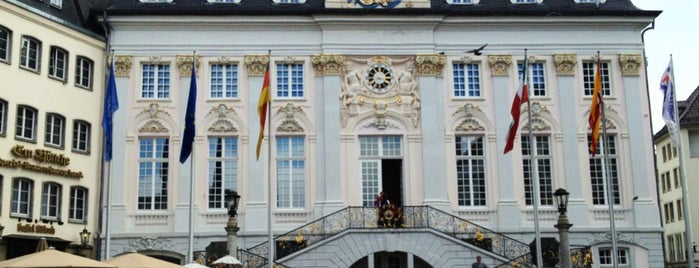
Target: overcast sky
x,y
676,32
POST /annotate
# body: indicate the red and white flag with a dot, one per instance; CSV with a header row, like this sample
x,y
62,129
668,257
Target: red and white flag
x,y
521,97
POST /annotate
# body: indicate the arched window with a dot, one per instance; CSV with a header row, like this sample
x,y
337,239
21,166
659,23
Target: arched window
x,y
30,57
5,44
51,201
26,123
55,129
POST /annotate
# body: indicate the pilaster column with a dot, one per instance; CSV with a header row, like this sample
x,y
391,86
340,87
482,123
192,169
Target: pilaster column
x,y
429,70
256,191
328,68
503,93
565,65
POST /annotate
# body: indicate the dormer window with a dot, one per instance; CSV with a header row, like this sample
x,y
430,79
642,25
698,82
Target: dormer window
x,y
463,2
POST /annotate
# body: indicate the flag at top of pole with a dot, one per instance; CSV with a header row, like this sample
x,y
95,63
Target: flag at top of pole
x,y
189,117
522,96
595,118
262,104
111,104
667,86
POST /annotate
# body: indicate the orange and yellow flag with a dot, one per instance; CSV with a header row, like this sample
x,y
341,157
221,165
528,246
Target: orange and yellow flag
x,y
595,118
262,111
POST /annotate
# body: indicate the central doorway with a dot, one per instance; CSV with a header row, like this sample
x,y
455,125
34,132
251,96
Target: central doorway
x,y
381,162
391,180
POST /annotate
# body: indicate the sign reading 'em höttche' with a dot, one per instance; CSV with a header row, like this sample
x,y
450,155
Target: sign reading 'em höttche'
x,y
42,157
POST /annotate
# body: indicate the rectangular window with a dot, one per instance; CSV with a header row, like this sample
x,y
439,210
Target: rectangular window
x,y
470,170
5,44
679,209
223,169
544,164
676,178
597,171
155,83
55,124
30,53
3,117
83,72
672,257
679,247
667,181
535,77
605,256
664,149
26,123
78,204
153,168
663,186
589,78
694,143
291,164
22,197
81,136
224,81
289,80
667,212
467,81
671,211
58,63
51,201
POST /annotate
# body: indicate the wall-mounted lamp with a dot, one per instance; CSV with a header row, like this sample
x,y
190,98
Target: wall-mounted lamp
x,y
84,236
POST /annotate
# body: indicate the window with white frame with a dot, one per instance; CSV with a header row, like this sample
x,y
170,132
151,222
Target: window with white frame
x,y
155,83
224,81
372,150
223,169
291,165
56,3
544,162
679,246
676,178
679,209
26,123
597,176
58,63
536,78
77,210
5,44
588,69
83,72
693,143
30,53
3,117
22,189
55,129
51,201
605,256
290,80
467,80
153,169
667,181
81,136
470,170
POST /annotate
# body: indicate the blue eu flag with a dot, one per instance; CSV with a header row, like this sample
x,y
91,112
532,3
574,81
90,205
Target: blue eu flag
x,y
111,104
189,117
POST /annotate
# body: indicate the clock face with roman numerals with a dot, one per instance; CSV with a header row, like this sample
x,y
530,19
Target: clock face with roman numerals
x,y
379,78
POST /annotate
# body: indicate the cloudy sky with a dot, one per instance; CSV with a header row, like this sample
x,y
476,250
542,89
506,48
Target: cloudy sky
x,y
676,32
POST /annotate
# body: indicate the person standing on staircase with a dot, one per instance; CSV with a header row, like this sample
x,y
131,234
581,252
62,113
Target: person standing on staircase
x,y
478,263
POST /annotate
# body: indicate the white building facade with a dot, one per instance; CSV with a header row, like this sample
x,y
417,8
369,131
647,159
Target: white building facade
x,y
372,96
52,68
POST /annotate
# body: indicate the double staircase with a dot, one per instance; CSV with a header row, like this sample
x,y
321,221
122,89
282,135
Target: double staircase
x,y
413,217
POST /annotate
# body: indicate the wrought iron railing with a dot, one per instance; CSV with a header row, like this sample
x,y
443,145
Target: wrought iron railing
x,y
579,258
411,217
252,260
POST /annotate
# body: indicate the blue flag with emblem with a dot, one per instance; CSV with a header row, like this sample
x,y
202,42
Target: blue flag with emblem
x,y
189,125
111,104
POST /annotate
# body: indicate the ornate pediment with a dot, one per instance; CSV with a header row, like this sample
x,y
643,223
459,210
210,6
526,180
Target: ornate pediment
x,y
221,110
470,124
153,126
222,126
153,110
468,109
289,125
538,124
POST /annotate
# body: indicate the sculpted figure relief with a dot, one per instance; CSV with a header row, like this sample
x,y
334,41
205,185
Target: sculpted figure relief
x,y
406,82
351,88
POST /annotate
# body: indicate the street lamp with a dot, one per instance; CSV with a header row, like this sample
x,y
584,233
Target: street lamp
x,y
84,236
232,199
561,197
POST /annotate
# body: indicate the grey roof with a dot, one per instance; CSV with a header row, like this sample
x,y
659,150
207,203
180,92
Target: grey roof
x,y
72,13
484,8
688,111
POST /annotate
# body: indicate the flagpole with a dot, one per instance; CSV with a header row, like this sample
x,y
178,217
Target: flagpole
x,y
687,220
605,173
533,167
270,235
108,226
190,250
